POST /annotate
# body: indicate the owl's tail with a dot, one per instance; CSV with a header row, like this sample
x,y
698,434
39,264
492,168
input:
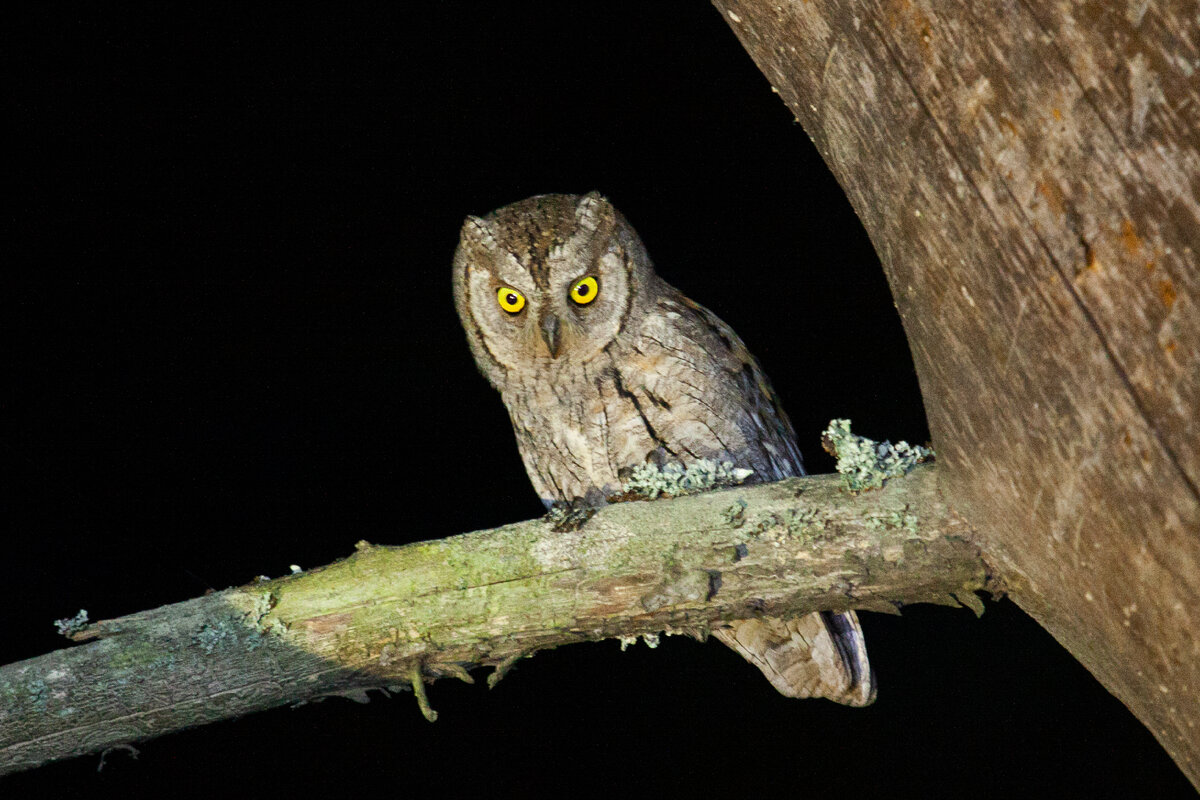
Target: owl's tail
x,y
817,655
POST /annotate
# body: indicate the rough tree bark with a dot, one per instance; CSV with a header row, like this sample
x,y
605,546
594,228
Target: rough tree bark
x,y
1029,174
406,615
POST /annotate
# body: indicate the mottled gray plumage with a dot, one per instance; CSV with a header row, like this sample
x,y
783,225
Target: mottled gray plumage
x,y
599,377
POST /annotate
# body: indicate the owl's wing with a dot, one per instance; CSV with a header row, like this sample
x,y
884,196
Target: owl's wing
x,y
816,655
722,393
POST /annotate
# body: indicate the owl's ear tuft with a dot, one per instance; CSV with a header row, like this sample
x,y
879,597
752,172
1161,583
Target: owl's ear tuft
x,y
477,230
592,210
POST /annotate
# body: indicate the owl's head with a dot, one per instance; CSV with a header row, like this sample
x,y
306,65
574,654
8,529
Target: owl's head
x,y
547,281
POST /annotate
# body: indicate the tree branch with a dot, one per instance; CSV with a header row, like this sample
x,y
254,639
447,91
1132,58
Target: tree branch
x,y
386,615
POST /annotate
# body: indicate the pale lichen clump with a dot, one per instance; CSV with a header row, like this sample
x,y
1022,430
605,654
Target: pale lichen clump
x,y
867,464
651,640
210,637
69,626
263,604
674,479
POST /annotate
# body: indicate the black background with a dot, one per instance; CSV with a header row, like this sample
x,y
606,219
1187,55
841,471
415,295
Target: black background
x,y
235,349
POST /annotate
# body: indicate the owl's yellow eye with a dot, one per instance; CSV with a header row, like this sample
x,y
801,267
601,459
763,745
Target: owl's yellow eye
x,y
585,290
510,300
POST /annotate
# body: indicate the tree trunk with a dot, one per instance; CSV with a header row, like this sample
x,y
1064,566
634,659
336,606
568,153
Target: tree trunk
x,y
387,615
1029,174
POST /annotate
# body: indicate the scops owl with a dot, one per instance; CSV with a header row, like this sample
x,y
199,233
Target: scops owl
x,y
604,366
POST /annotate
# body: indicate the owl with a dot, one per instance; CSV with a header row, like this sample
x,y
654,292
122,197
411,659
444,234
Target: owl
x,y
604,366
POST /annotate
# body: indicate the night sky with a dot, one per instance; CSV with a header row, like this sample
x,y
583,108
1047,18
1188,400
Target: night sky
x,y
234,348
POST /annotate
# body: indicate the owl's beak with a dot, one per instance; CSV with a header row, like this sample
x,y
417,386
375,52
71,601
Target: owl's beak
x,y
551,333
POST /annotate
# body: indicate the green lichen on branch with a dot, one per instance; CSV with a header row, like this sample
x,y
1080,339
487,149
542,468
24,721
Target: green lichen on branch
x,y
865,463
650,481
431,609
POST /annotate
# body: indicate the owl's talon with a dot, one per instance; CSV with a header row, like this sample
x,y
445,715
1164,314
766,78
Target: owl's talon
x,y
567,517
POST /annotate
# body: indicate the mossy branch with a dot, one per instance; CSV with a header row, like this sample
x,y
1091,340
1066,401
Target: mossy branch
x,y
404,616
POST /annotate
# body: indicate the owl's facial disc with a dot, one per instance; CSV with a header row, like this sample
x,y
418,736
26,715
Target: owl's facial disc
x,y
546,282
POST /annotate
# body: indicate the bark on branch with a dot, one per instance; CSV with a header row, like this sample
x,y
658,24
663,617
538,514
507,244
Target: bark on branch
x,y
434,609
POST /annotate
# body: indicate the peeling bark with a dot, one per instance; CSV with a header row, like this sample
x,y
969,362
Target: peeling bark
x,y
386,615
1030,176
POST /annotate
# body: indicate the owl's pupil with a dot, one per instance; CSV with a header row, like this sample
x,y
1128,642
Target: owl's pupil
x,y
511,299
583,290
